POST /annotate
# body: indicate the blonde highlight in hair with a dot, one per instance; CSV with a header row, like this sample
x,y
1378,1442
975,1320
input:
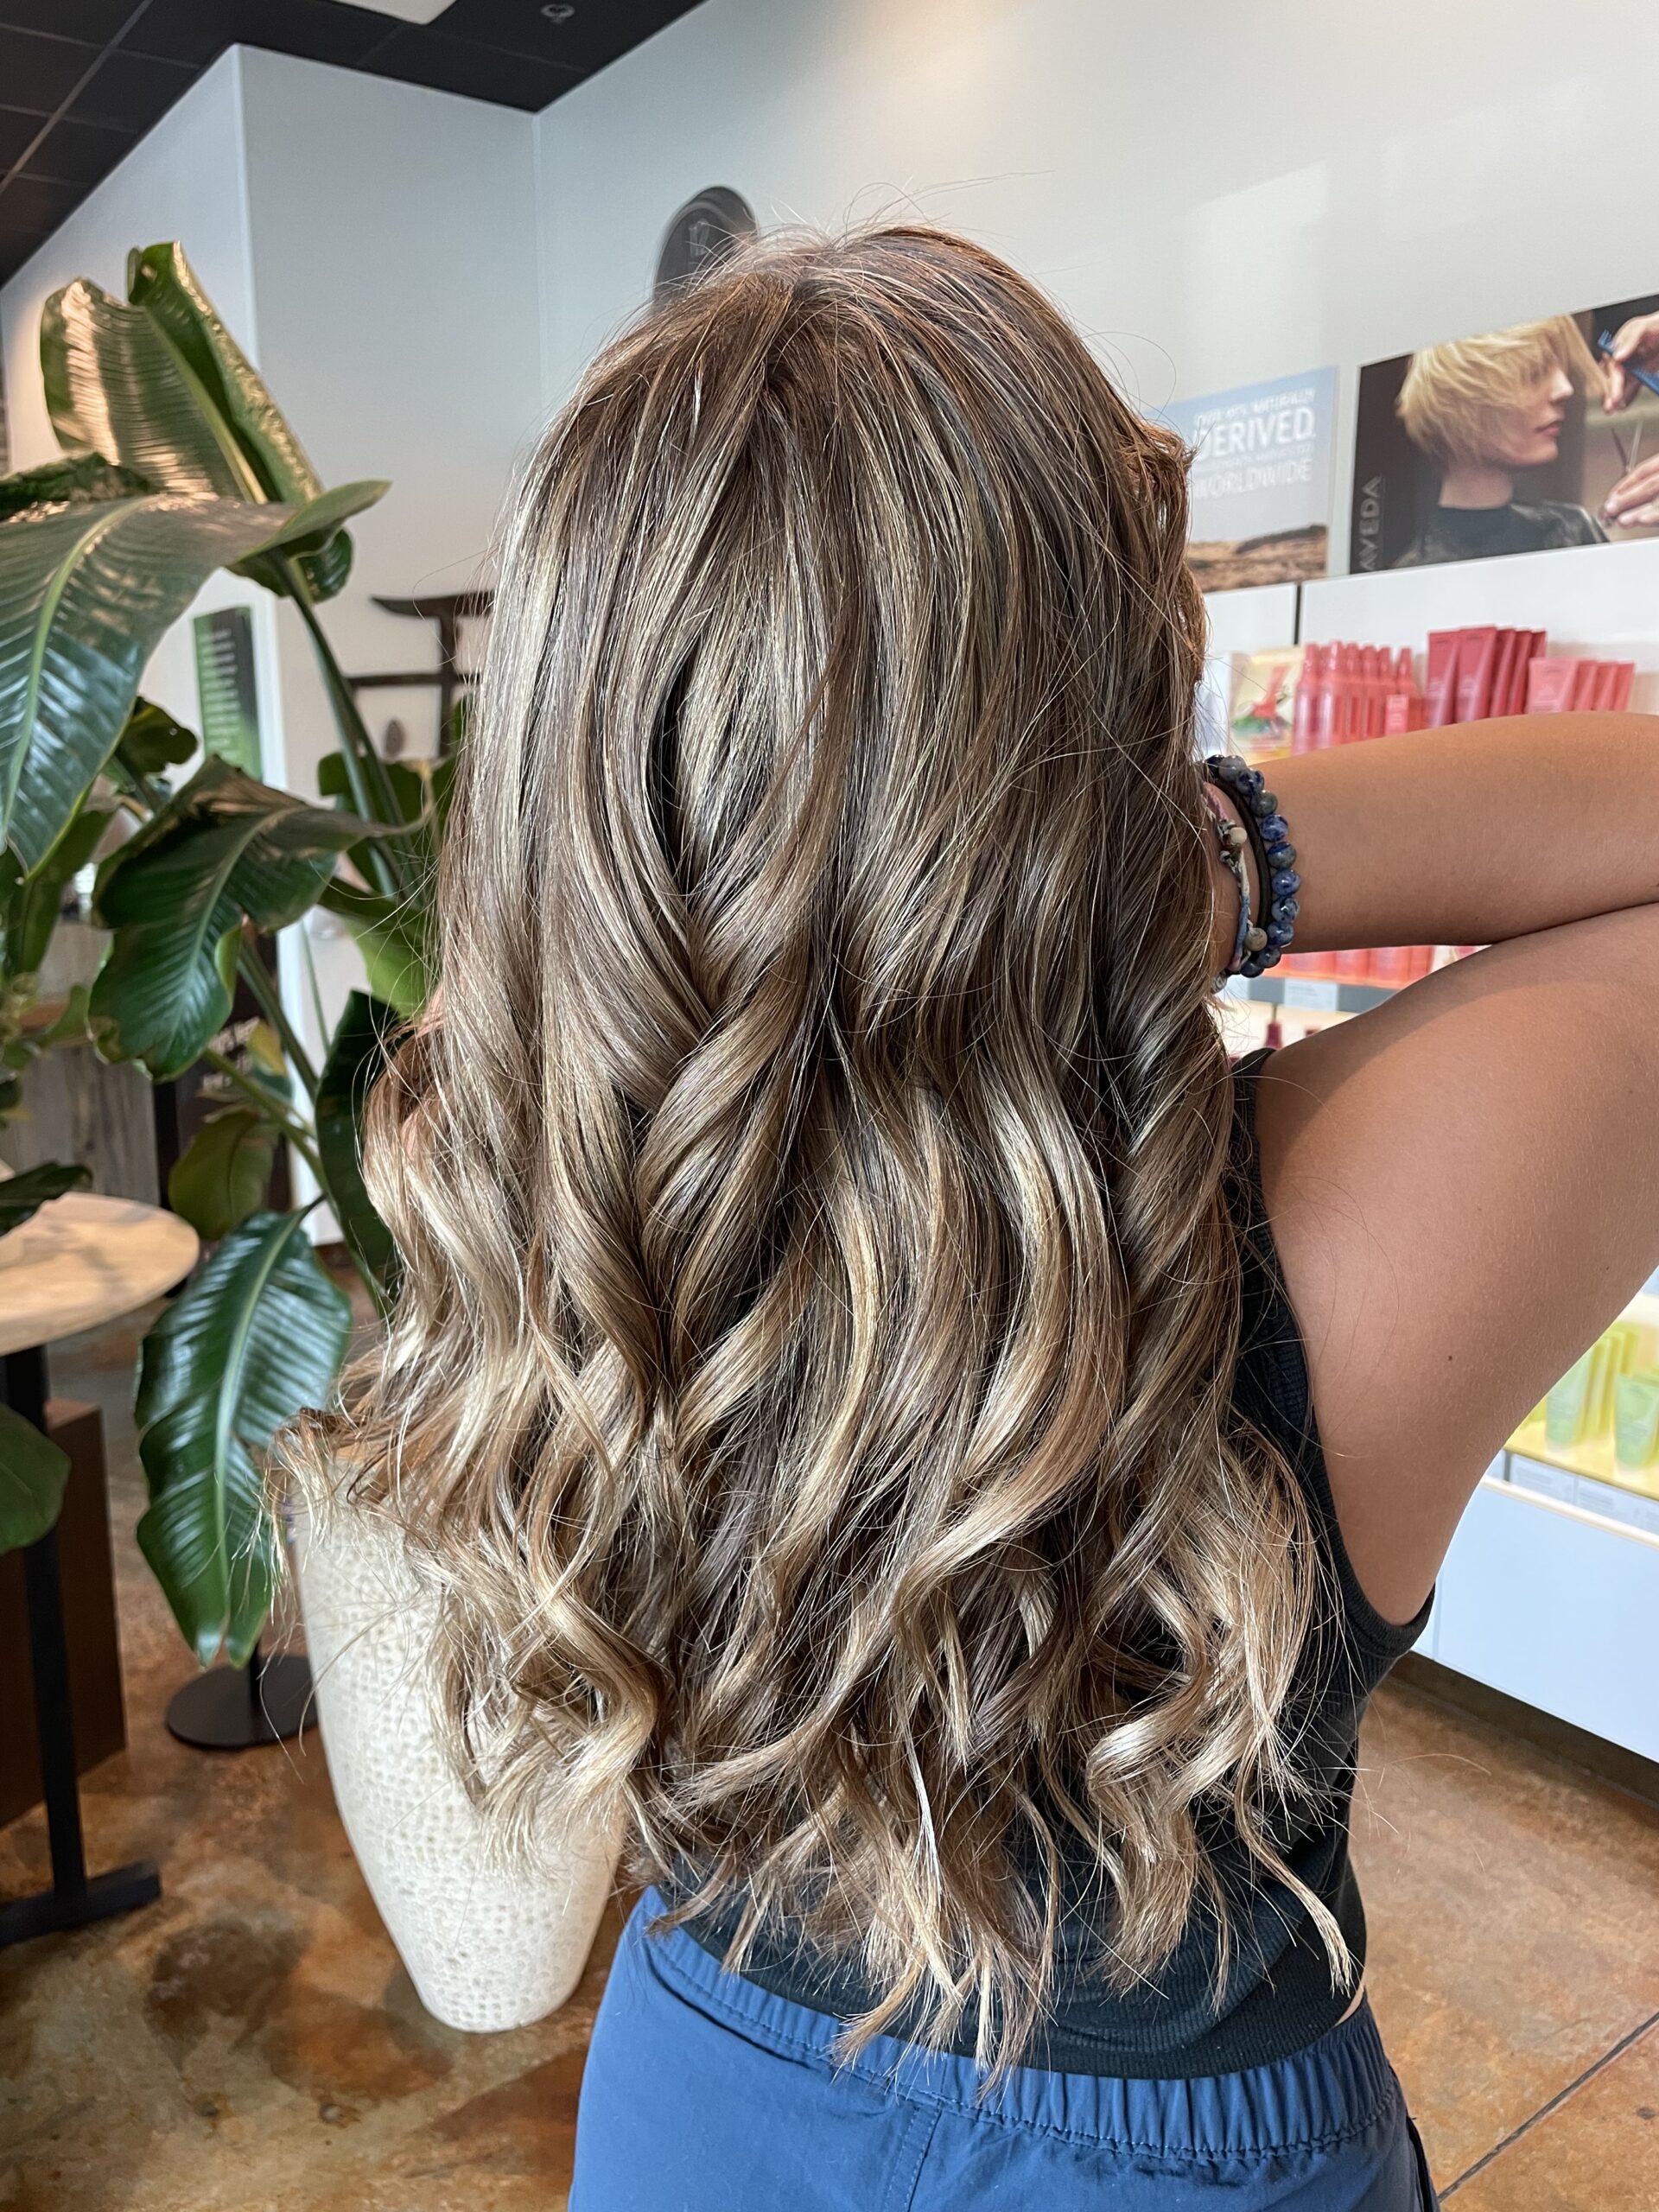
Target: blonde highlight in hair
x,y
811,1386
1451,392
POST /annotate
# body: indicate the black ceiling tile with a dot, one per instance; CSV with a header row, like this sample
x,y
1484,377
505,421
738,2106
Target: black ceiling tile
x,y
130,90
594,33
79,153
15,246
95,21
198,31
30,203
481,72
17,131
39,73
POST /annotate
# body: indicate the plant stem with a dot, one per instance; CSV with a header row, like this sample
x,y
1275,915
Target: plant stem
x,y
254,975
298,1135
365,771
311,978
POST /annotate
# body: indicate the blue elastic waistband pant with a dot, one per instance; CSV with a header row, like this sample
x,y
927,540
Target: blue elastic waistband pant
x,y
706,2093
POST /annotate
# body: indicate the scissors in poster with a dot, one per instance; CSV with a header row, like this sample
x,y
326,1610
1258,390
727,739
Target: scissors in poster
x,y
1605,346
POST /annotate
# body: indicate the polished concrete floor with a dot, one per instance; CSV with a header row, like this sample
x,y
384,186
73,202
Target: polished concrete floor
x,y
251,2040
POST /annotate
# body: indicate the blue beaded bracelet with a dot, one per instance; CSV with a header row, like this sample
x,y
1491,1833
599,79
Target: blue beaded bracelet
x,y
1263,943
1231,841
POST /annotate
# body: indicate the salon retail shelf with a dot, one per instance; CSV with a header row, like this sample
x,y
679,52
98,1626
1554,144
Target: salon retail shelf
x,y
1315,992
1612,1500
1547,1596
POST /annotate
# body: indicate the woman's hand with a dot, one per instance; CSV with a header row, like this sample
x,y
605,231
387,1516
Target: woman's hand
x,y
1634,500
1637,340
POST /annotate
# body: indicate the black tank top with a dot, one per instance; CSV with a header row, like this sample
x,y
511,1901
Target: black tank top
x,y
1278,1997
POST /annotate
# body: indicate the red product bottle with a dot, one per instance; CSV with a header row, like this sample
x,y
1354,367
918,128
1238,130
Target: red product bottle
x,y
1307,685
1371,693
1441,700
1476,656
1327,709
1508,642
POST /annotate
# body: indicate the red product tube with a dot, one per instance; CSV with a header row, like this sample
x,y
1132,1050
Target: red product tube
x,y
1477,658
1303,714
1503,676
1535,643
1440,692
1549,684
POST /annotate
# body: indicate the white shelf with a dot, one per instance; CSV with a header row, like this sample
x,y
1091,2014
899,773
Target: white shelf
x,y
1553,1603
1316,994
1600,599
1550,1592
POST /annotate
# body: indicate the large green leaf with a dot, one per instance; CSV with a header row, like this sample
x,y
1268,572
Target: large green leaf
x,y
32,907
176,896
259,1332
357,1055
163,287
151,741
394,937
115,385
85,480
406,781
23,1194
157,382
322,550
162,281
33,1472
221,1177
86,592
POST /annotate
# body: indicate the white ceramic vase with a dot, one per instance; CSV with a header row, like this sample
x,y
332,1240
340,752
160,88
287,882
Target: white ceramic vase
x,y
488,1947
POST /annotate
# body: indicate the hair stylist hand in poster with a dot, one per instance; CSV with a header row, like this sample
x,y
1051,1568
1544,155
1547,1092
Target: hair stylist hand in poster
x,y
1542,435
1634,500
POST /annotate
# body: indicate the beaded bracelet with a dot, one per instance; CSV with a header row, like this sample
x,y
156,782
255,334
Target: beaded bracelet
x,y
1261,945
1231,839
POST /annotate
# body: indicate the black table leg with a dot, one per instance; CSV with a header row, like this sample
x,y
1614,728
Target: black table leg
x,y
74,1897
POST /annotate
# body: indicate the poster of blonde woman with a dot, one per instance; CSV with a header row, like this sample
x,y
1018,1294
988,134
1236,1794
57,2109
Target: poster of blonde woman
x,y
1541,435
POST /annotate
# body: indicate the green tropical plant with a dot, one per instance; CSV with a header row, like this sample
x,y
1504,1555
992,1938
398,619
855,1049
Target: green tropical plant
x,y
176,462
33,1470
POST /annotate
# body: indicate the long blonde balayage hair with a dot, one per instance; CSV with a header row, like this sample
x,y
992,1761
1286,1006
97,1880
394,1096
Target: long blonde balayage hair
x,y
810,1385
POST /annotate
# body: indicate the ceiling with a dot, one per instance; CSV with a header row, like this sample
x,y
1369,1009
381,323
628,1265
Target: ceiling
x,y
82,80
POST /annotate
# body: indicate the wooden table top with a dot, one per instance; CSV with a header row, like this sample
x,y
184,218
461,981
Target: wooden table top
x,y
83,1259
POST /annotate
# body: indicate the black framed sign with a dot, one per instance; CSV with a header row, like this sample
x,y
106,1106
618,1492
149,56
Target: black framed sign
x,y
702,234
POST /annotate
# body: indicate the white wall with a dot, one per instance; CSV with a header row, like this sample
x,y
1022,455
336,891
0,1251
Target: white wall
x,y
393,242
186,179
1217,193
373,246
392,236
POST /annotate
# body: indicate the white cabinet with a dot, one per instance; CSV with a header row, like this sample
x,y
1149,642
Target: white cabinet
x,y
1558,1606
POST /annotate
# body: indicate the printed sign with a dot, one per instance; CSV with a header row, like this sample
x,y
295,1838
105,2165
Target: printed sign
x,y
1538,436
225,683
1260,487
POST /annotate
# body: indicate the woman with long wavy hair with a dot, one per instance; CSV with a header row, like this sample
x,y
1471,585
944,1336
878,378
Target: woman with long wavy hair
x,y
887,1419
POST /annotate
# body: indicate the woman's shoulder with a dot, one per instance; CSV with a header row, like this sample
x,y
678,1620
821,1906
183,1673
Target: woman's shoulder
x,y
1560,522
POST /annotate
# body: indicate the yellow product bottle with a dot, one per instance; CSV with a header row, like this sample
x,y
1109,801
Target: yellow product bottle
x,y
1569,1409
1635,1430
1625,1351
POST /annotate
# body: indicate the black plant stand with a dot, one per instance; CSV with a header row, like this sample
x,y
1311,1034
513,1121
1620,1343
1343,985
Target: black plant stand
x,y
75,1896
230,1708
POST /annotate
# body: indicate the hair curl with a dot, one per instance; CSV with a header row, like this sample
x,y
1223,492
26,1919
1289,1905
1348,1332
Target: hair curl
x,y
810,1385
